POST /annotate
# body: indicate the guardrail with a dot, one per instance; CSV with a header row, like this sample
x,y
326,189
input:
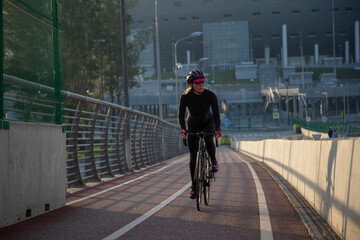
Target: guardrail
x,y
325,172
102,138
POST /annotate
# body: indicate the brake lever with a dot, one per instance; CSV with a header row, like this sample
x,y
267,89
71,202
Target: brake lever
x,y
185,142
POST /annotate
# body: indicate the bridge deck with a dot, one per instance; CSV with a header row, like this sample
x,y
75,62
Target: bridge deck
x,y
154,204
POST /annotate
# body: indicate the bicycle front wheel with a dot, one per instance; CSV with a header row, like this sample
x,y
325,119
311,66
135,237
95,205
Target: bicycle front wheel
x,y
199,179
207,181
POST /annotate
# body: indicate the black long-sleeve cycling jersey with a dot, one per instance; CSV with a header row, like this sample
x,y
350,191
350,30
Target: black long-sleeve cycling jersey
x,y
199,109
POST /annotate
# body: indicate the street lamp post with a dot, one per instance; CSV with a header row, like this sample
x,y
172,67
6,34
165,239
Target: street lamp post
x,y
302,60
158,60
303,97
344,105
192,35
333,35
202,62
287,101
124,55
326,110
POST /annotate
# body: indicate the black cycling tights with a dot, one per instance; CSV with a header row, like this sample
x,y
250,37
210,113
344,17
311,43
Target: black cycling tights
x,y
193,144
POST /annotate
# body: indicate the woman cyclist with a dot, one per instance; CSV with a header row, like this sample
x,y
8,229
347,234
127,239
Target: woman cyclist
x,y
198,100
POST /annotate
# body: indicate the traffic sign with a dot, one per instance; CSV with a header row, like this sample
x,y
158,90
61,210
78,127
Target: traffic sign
x,y
308,119
276,115
227,123
324,119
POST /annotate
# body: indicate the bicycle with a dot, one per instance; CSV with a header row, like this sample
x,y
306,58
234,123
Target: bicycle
x,y
203,174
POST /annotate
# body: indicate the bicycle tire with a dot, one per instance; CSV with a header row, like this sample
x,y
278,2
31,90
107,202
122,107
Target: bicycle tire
x,y
207,180
199,181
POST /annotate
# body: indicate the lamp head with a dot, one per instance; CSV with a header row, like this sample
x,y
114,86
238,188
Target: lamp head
x,y
196,34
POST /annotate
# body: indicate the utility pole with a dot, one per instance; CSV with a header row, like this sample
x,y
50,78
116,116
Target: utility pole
x,y
125,86
124,55
302,59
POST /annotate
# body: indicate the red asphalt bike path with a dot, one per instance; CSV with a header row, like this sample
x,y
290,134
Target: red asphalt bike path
x,y
233,212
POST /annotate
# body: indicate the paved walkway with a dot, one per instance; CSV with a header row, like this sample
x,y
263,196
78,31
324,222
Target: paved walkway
x,y
246,203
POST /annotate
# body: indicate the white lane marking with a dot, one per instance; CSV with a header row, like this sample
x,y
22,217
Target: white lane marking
x,y
120,185
142,218
265,223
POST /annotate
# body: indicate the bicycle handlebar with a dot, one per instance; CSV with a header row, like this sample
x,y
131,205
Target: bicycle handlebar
x,y
202,133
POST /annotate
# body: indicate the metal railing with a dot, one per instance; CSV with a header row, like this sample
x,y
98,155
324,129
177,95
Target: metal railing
x,y
102,139
347,129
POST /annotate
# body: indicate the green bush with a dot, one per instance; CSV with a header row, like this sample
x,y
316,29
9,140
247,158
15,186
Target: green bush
x,y
225,140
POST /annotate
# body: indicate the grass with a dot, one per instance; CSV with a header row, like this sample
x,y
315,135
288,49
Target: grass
x,y
225,140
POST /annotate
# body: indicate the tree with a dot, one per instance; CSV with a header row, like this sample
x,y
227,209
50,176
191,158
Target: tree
x,y
28,43
84,23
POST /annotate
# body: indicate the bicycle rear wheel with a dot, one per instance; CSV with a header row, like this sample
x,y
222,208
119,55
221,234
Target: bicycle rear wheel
x,y
207,179
199,179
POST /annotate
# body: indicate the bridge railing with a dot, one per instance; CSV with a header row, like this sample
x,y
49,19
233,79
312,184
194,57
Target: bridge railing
x,y
102,138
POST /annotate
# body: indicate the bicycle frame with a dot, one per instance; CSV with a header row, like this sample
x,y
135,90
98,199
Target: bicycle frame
x,y
202,175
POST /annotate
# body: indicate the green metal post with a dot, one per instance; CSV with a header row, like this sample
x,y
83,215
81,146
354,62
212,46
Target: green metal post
x,y
57,76
1,62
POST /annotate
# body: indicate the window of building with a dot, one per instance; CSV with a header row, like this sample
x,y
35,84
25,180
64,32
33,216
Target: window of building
x,y
295,11
182,18
256,13
178,4
335,9
293,35
195,18
311,35
276,13
349,9
275,36
257,37
342,33
165,19
315,10
328,34
228,15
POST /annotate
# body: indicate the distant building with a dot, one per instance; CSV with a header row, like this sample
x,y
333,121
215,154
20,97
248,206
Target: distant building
x,y
262,40
226,44
308,23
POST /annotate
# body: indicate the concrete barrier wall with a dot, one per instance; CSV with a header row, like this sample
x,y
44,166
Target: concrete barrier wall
x,y
309,133
325,172
32,170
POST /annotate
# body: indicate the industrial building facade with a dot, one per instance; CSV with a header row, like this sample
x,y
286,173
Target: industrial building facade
x,y
308,23
256,38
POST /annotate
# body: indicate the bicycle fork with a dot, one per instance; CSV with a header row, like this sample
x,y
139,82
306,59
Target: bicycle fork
x,y
208,162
